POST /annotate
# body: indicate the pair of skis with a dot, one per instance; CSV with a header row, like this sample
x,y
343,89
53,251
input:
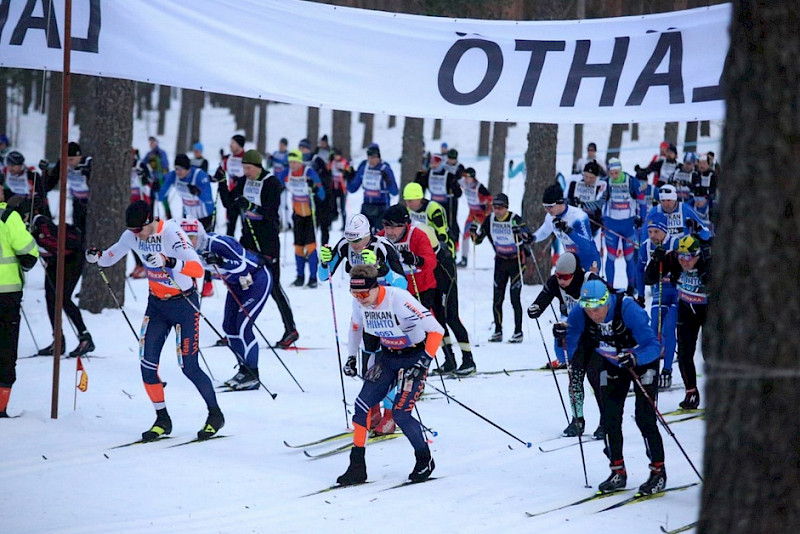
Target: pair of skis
x,y
164,438
341,448
396,486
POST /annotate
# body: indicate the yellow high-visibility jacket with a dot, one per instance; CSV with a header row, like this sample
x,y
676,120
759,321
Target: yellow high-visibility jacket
x,y
15,241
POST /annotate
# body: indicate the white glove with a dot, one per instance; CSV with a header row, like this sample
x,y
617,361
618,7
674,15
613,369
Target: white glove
x,y
93,254
154,261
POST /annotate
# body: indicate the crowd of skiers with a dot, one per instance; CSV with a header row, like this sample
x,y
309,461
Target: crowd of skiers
x,y
402,260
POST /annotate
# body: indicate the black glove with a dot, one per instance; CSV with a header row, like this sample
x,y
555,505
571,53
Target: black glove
x,y
144,174
242,203
473,228
43,164
419,369
212,258
640,301
637,221
560,331
219,175
693,226
193,189
627,360
522,232
170,262
562,225
350,366
575,201
409,258
534,311
659,254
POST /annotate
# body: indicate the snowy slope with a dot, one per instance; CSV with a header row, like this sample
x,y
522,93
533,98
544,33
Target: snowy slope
x,y
63,476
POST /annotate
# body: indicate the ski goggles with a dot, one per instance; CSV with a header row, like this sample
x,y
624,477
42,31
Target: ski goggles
x,y
135,230
550,205
594,302
686,256
565,276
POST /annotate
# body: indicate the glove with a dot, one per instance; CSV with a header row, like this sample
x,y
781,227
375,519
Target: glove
x,y
219,175
627,360
560,331
562,225
419,369
144,175
534,311
350,366
93,254
325,254
637,221
658,254
574,201
693,226
193,189
409,258
522,232
242,203
158,260
212,258
369,256
43,164
640,301
473,228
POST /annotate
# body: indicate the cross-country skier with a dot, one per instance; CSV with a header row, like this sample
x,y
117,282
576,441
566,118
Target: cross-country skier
x,y
79,176
409,336
619,214
681,218
479,200
379,183
172,264
306,189
588,193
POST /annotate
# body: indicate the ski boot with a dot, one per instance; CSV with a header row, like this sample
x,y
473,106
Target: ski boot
x,y
692,400
288,339
616,481
467,367
312,283
516,338
463,262
424,466
496,337
85,345
449,367
214,422
657,481
245,380
665,379
357,470
575,428
299,282
48,350
162,426
600,433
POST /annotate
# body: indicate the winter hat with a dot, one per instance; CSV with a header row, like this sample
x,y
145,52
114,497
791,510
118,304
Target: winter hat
x,y
658,220
444,146
614,163
239,140
15,157
397,215
283,141
304,143
296,155
413,191
253,157
592,168
566,263
690,157
591,146
374,150
689,245
198,147
182,160
469,171
667,192
437,157
137,215
73,149
363,277
357,228
553,195
452,154
663,145
500,199
672,148
4,140
324,138
594,294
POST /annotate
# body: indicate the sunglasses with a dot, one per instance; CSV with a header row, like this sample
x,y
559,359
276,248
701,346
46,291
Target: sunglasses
x,y
686,256
548,206
135,230
594,303
360,294
356,240
564,276
499,207
393,224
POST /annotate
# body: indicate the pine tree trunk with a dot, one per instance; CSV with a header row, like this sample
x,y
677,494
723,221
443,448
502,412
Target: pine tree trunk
x,y
312,128
615,141
261,145
540,163
52,134
27,81
392,121
3,103
437,129
497,163
577,144
635,131
249,117
86,111
750,342
340,134
198,102
163,106
690,139
671,133
110,190
705,128
184,118
369,124
412,150
483,138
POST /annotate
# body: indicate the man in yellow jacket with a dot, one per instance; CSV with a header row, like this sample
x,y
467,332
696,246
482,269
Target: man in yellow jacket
x,y
18,253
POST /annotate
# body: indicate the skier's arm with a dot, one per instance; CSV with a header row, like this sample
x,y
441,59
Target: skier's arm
x,y
576,322
165,186
647,348
395,275
389,183
356,329
118,250
355,183
326,271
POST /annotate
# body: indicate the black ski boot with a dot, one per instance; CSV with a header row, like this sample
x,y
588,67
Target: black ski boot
x,y
48,350
299,282
496,337
214,422
692,400
448,368
85,345
657,481
600,433
424,466
463,262
288,339
575,428
467,365
312,283
616,481
357,470
162,426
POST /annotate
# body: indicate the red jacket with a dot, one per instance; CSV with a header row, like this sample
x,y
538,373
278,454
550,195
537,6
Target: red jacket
x,y
419,277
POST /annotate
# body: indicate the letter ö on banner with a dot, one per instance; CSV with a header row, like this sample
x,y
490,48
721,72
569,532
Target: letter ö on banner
x,y
447,87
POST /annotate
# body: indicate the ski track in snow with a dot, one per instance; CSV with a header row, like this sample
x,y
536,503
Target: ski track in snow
x,y
251,482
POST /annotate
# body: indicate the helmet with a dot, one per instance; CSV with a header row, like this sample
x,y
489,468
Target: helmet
x,y
412,191
357,228
15,158
689,245
594,294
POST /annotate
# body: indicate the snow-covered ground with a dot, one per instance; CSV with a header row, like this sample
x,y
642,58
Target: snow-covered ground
x,y
62,475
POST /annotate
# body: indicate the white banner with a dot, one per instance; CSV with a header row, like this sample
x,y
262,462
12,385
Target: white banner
x,y
633,69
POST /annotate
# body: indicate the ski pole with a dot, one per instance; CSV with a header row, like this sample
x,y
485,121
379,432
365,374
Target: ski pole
x,y
35,344
663,421
130,287
435,359
338,350
519,266
247,314
114,296
612,232
526,443
238,358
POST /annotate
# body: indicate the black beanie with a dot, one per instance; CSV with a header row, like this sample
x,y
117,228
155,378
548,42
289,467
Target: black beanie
x,y
397,214
73,149
592,168
182,160
239,140
553,195
137,214
500,199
